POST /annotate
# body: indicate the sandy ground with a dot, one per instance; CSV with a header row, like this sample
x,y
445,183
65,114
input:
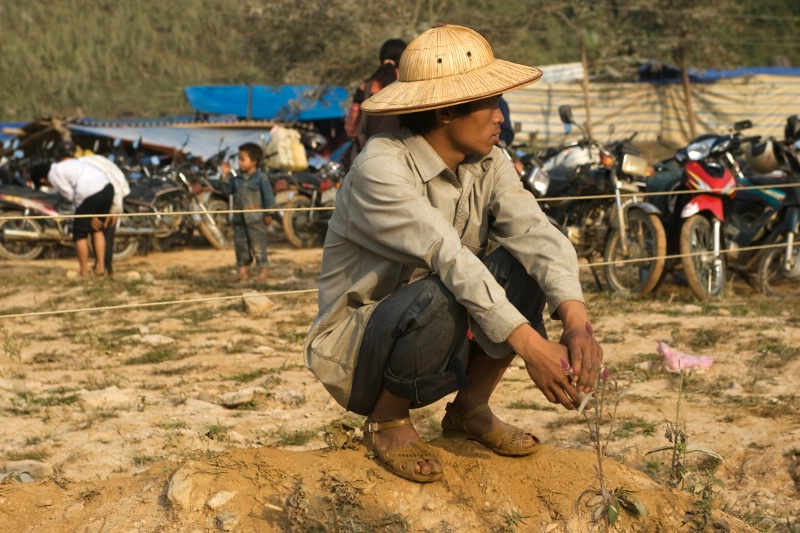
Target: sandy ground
x,y
201,416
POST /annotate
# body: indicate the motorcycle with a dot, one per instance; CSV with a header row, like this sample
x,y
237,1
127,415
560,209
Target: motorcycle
x,y
311,196
171,193
627,233
25,237
764,221
696,223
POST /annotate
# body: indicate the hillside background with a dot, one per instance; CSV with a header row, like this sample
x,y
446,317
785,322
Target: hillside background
x,y
132,58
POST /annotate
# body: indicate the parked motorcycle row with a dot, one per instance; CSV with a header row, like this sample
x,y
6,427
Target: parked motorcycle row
x,y
699,218
169,201
694,216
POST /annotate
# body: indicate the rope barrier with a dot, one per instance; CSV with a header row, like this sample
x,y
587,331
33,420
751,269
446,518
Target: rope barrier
x,y
330,208
152,304
310,291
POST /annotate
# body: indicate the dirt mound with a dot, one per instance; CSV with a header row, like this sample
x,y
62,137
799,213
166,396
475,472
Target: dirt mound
x,y
268,489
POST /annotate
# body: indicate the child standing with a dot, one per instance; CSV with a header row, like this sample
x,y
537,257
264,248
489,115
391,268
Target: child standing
x,y
250,189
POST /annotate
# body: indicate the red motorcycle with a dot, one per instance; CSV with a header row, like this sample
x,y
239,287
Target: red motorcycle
x,y
710,169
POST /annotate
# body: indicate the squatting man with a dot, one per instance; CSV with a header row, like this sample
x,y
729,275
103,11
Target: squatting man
x,y
437,266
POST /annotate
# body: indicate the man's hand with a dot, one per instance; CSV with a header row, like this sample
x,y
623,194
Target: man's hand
x,y
110,221
585,354
96,224
543,361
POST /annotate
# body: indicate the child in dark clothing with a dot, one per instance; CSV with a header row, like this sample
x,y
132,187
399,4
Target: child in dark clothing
x,y
250,189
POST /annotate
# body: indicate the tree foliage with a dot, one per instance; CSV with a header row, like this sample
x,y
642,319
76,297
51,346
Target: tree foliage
x,y
117,58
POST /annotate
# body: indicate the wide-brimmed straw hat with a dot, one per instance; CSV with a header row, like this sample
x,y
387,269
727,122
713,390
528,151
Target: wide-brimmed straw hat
x,y
444,66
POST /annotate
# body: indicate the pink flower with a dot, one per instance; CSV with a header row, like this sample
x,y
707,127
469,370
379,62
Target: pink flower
x,y
605,374
566,367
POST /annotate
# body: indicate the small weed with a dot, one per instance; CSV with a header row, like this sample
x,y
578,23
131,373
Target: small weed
x,y
343,496
11,345
23,404
58,396
297,505
37,454
605,503
50,356
185,369
172,425
141,459
519,404
513,519
26,403
295,438
38,439
246,377
158,354
679,446
704,338
633,427
773,353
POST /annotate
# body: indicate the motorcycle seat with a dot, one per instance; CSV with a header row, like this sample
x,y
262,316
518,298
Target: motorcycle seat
x,y
773,180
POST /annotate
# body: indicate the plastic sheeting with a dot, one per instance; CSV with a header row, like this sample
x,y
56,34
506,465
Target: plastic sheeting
x,y
200,142
264,102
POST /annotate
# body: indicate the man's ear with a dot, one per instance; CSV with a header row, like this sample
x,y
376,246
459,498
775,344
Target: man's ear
x,y
444,115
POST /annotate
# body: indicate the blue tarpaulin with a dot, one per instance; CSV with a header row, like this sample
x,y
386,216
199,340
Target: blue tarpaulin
x,y
265,102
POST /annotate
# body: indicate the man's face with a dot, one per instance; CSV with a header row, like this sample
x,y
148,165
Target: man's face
x,y
478,130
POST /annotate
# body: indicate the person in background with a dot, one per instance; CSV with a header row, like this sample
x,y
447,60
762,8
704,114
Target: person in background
x,y
438,264
506,127
121,190
360,127
91,193
251,190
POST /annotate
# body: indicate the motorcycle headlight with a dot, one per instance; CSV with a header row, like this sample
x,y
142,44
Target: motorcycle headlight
x,y
538,182
699,150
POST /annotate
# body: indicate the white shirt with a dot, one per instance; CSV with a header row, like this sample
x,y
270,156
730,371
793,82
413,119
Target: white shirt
x,y
115,176
76,180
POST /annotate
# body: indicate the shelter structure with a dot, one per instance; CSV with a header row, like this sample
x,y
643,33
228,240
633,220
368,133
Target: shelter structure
x,y
656,108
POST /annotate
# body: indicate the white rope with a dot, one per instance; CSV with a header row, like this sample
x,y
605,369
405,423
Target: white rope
x,y
310,291
290,209
154,304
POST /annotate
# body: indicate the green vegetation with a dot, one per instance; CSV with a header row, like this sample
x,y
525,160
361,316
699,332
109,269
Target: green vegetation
x,y
128,58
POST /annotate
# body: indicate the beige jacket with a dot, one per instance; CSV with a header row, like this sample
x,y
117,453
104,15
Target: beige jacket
x,y
400,215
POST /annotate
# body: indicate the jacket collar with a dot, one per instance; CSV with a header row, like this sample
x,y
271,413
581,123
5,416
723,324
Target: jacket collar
x,y
430,164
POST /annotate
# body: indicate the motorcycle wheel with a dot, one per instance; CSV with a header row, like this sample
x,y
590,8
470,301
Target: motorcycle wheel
x,y
124,247
645,240
209,229
19,249
299,227
167,223
706,279
774,279
222,220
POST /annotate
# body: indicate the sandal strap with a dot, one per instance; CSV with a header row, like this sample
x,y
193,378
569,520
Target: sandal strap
x,y
458,419
374,427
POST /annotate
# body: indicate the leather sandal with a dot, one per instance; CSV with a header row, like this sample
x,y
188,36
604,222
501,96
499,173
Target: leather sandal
x,y
510,437
401,461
